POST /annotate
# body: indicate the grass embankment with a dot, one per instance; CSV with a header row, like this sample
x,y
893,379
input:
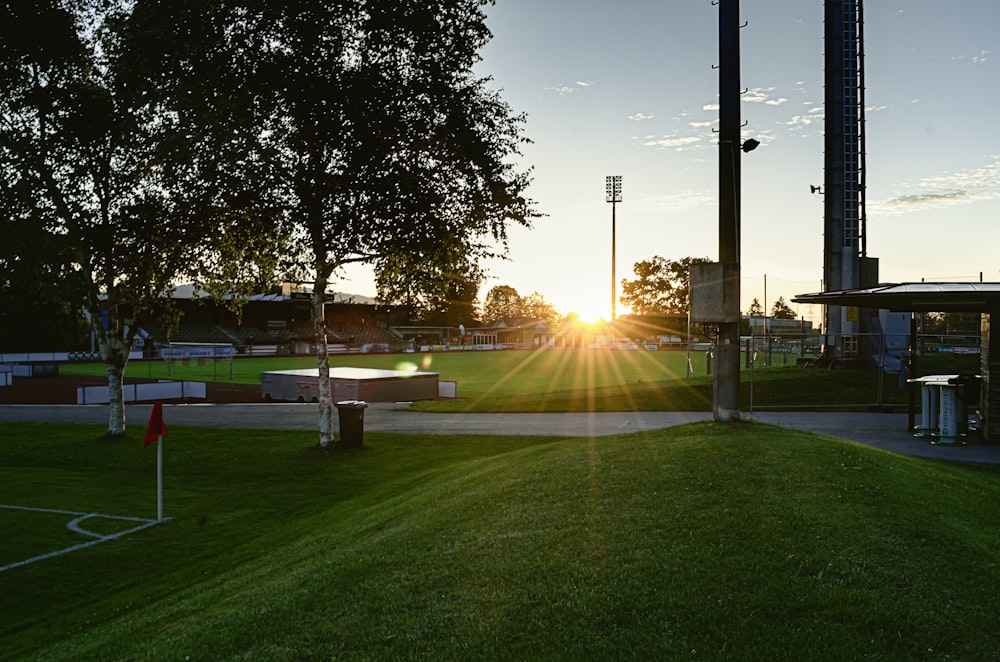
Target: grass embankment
x,y
718,541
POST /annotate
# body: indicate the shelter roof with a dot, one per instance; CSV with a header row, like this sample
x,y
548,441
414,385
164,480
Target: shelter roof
x,y
916,297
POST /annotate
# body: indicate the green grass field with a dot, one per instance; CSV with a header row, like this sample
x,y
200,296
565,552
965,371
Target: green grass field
x,y
477,372
581,380
709,541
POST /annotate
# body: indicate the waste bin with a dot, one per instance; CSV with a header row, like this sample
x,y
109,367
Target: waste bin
x,y
968,401
352,423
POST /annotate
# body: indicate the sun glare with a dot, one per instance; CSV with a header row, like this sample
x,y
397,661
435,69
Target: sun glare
x,y
590,315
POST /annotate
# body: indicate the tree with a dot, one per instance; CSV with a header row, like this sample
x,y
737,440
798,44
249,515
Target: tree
x,y
535,306
451,304
755,310
502,302
38,311
954,323
661,286
781,310
386,149
82,173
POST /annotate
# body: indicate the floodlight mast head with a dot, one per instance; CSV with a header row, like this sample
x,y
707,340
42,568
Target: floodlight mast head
x,y
613,188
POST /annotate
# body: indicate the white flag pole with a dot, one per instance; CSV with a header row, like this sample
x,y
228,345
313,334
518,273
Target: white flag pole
x,y
159,478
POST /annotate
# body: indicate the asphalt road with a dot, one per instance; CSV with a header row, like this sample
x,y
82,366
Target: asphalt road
x,y
885,431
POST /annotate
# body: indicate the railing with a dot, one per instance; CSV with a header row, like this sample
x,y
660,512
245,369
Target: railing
x,y
865,370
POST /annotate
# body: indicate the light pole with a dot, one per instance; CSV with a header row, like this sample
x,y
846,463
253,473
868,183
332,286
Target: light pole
x,y
726,379
613,194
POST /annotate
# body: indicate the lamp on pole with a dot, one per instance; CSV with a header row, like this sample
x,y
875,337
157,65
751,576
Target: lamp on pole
x,y
613,194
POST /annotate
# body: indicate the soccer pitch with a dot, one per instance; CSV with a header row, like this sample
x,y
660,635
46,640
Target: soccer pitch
x,y
508,371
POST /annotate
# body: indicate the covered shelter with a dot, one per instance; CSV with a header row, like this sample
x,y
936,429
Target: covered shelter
x,y
983,298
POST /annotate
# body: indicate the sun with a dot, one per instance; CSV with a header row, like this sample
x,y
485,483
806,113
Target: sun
x,y
592,318
589,307
591,314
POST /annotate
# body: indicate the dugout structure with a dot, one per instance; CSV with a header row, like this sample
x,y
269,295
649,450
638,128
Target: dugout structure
x,y
983,298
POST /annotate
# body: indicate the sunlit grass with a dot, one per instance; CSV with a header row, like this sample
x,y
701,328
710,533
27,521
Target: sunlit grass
x,y
713,541
591,380
512,371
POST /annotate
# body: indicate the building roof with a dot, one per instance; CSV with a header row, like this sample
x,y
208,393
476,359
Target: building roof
x,y
194,291
519,323
915,297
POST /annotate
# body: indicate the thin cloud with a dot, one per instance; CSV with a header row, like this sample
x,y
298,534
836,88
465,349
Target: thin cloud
x,y
986,177
978,58
923,200
958,188
563,90
808,119
641,117
678,143
762,95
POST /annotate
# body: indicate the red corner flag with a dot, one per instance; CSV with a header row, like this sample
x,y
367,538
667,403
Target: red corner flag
x,y
156,428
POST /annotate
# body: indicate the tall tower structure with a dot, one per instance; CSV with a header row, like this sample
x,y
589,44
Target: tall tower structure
x,y
846,264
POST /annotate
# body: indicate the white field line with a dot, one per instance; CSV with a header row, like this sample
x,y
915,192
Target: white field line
x,y
74,526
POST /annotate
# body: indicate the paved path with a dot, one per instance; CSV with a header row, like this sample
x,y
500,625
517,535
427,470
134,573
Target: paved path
x,y
886,431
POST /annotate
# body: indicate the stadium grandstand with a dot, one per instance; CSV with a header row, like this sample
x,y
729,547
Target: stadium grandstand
x,y
277,322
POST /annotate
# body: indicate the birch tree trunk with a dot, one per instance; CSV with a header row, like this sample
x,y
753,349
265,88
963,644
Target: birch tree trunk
x,y
116,400
322,362
114,352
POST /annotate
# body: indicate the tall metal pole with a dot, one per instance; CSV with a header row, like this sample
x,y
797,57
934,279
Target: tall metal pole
x,y
726,391
613,281
613,194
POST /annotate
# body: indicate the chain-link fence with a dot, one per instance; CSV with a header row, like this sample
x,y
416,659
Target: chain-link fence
x,y
859,370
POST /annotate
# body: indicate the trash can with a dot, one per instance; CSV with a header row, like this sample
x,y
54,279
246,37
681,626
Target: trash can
x,y
352,423
968,401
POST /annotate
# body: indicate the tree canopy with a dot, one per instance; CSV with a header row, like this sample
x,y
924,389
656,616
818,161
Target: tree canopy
x,y
85,192
363,121
451,304
661,286
781,310
503,302
148,141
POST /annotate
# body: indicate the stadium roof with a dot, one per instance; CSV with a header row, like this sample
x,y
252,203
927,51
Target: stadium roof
x,y
916,297
193,291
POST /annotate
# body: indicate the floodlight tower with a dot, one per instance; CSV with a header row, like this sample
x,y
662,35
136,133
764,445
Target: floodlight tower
x,y
846,264
613,194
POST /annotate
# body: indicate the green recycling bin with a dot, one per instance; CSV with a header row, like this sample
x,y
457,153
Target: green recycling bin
x,y
352,423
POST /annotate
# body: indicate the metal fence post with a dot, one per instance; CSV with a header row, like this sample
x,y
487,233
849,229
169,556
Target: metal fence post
x,y
881,369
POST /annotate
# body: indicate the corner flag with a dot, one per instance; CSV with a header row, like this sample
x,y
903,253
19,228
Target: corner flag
x,y
155,432
155,429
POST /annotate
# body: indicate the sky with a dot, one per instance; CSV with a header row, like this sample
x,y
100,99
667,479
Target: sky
x,y
628,88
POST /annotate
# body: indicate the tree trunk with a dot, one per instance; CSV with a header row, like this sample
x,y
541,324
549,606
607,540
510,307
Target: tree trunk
x,y
114,351
322,362
116,399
